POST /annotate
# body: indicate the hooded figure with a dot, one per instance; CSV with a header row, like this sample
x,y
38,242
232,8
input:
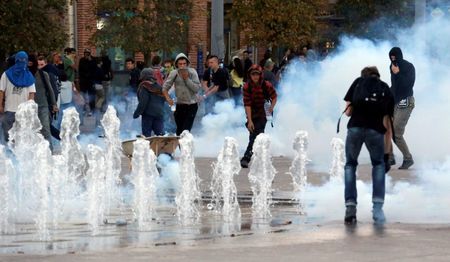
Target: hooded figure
x,y
403,75
18,74
151,104
186,84
403,81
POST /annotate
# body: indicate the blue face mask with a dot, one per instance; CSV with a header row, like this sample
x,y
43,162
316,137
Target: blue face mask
x,y
18,74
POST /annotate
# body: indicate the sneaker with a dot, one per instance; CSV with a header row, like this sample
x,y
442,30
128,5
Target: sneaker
x,y
407,163
350,215
387,164
244,162
378,214
391,160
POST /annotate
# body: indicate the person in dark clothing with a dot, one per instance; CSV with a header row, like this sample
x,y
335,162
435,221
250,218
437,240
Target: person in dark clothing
x,y
403,76
86,69
215,83
247,63
107,78
255,92
366,126
134,74
151,104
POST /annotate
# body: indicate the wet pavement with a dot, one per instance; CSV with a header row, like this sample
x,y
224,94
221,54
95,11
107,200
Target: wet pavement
x,y
288,235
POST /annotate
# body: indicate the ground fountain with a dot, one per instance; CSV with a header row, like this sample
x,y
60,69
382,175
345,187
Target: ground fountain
x,y
224,192
338,161
188,197
261,176
144,175
298,170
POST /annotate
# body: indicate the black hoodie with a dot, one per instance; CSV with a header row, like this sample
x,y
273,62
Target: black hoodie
x,y
403,81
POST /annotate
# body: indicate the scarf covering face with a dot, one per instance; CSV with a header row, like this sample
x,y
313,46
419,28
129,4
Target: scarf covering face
x,y
18,74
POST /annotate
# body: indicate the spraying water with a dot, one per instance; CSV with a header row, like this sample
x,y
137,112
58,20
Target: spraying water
x,y
144,180
42,177
111,125
71,149
96,187
338,162
7,173
261,176
33,167
298,168
188,196
224,192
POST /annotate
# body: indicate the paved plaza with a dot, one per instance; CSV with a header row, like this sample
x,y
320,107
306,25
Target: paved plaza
x,y
287,236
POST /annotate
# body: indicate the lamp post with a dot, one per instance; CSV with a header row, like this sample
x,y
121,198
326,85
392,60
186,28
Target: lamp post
x,y
217,37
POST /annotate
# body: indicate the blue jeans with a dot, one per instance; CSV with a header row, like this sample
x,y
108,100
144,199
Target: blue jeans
x,y
374,141
151,123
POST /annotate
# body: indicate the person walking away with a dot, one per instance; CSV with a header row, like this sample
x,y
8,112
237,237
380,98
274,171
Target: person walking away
x,y
237,76
151,104
66,97
99,77
187,84
403,76
369,101
17,85
257,92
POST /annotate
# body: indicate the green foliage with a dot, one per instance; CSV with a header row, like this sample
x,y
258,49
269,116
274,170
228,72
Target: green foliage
x,y
279,22
375,18
33,25
144,26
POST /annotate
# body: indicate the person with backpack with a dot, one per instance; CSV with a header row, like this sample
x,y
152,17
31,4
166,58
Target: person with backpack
x,y
369,101
403,76
151,104
257,94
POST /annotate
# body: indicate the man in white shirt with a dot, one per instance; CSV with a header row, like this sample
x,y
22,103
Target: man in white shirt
x,y
16,87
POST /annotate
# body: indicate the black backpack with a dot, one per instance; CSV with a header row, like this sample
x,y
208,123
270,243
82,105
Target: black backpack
x,y
370,93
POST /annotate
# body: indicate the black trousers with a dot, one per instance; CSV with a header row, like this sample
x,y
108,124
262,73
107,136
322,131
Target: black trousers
x,y
260,125
184,117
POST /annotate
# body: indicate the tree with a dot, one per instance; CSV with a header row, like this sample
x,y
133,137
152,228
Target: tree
x,y
142,25
279,22
31,26
375,19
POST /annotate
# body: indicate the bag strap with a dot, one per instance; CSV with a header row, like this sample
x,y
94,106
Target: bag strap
x,y
339,120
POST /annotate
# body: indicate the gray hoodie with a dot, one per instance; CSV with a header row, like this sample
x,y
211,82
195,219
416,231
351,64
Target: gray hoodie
x,y
185,90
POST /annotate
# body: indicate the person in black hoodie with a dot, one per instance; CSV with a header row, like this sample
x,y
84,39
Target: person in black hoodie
x,y
403,75
151,104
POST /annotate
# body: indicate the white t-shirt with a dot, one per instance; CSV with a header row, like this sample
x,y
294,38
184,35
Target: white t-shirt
x,y
14,96
66,92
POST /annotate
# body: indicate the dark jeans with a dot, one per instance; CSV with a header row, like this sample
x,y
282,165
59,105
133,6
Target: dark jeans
x,y
374,141
184,117
151,123
260,125
7,123
237,95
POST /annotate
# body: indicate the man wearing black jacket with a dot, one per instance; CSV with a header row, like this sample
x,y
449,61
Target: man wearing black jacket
x,y
403,75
